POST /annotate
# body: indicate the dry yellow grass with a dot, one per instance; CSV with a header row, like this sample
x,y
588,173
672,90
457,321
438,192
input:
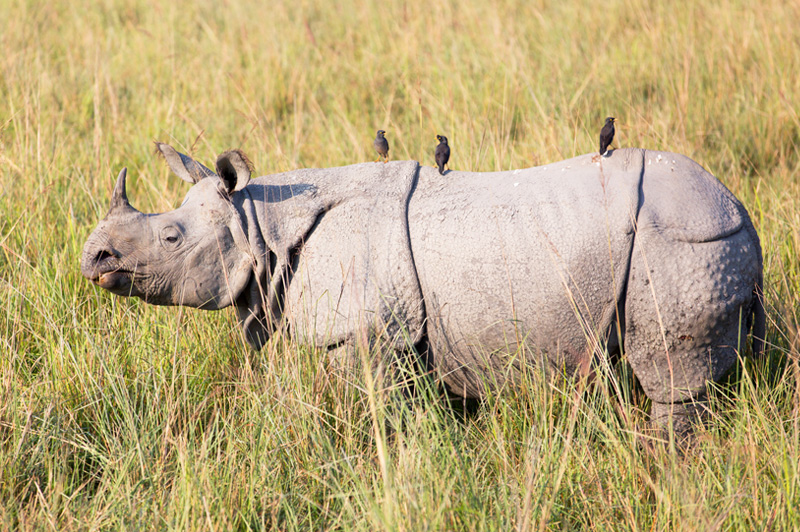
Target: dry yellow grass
x,y
118,415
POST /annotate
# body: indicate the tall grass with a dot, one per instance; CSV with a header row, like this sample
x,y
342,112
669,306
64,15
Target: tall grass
x,y
115,414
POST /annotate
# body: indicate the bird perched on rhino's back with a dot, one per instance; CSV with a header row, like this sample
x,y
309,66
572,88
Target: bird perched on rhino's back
x,y
607,134
381,146
442,153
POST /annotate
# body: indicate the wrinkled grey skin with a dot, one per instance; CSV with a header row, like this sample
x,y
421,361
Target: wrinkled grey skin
x,y
557,265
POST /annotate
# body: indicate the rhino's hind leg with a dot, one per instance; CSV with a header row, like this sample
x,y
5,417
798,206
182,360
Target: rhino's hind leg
x,y
687,309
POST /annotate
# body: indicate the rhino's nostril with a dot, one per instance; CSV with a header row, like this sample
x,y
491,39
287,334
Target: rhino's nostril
x,y
103,255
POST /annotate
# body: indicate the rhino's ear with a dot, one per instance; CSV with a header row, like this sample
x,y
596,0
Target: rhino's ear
x,y
184,166
234,168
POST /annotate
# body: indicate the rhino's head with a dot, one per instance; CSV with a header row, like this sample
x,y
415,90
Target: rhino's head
x,y
196,255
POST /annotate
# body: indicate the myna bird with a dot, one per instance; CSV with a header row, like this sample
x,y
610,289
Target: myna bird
x,y
381,146
442,153
607,134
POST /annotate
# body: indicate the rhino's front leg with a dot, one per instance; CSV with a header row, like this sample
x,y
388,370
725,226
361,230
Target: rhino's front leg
x,y
684,417
389,371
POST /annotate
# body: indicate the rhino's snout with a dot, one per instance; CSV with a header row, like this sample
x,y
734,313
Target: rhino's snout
x,y
104,268
95,261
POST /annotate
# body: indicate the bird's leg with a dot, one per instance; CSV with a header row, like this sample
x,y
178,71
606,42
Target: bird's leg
x,y
378,159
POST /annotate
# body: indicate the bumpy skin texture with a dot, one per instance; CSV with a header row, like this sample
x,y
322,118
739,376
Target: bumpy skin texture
x,y
553,266
690,286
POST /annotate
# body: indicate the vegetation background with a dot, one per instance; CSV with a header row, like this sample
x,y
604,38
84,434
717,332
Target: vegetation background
x,y
118,415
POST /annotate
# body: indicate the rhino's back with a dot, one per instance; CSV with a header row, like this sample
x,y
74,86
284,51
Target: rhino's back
x,y
536,256
681,201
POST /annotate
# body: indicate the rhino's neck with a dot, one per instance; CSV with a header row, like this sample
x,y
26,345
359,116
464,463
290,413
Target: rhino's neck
x,y
256,322
275,215
249,237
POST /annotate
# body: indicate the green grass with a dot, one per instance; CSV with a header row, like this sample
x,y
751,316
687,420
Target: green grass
x,y
119,415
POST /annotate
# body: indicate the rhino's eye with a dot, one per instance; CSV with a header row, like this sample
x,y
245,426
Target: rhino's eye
x,y
171,237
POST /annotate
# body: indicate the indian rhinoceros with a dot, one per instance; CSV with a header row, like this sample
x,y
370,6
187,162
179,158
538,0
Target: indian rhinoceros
x,y
640,251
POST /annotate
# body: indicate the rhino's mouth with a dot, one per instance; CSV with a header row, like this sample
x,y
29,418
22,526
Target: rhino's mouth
x,y
115,281
113,277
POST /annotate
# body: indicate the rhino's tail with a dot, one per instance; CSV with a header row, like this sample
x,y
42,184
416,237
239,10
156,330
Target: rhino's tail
x,y
759,318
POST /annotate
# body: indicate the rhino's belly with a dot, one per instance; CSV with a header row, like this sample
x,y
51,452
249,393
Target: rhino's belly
x,y
512,280
487,320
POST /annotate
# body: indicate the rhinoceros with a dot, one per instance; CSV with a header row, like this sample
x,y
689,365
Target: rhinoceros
x,y
555,266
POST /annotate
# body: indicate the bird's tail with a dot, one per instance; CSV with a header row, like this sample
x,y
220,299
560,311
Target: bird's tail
x,y
441,168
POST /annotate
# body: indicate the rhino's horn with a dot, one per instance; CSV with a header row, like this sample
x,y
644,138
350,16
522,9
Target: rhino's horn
x,y
119,198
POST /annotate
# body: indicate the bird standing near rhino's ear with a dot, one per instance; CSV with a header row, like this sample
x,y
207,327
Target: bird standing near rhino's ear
x,y
381,146
442,153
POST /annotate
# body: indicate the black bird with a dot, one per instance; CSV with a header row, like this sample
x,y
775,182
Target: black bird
x,y
607,134
442,153
381,146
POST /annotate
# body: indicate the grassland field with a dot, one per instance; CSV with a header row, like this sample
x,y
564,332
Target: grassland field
x,y
116,415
